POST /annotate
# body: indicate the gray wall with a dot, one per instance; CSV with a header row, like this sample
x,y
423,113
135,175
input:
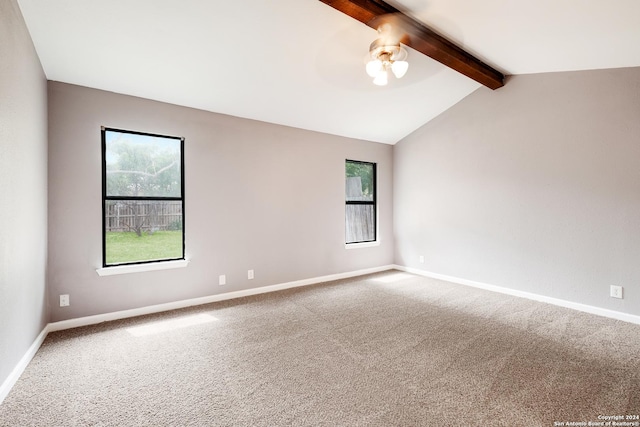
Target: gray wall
x,y
258,196
534,187
23,190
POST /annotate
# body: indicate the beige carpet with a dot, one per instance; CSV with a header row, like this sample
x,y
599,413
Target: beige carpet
x,y
389,349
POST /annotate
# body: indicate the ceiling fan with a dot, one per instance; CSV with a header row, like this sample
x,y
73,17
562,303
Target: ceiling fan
x,y
386,54
403,29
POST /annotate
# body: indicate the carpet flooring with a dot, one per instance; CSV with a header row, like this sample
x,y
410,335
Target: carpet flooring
x,y
389,349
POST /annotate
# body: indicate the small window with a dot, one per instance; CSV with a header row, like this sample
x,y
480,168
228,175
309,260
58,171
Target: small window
x,y
360,209
142,197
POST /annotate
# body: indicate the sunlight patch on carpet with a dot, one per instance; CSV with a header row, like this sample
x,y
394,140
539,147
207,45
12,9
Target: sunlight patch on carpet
x,y
170,325
392,277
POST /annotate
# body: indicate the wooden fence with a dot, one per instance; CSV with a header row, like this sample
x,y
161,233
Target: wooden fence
x,y
359,223
146,215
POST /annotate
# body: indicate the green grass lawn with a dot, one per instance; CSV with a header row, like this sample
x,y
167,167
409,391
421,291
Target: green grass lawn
x,y
123,247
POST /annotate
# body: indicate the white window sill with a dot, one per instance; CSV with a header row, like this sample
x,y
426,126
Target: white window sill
x,y
139,268
361,245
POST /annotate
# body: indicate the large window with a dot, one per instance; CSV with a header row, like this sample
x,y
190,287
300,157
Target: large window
x,y
360,200
142,197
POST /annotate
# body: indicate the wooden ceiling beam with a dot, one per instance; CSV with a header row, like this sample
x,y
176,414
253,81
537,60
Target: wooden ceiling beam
x,y
421,38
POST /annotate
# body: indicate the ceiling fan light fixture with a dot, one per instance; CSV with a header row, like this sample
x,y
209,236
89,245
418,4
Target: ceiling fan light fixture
x,y
382,78
384,57
374,67
399,68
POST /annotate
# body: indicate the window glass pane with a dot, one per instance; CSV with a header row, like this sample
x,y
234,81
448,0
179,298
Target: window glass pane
x,y
360,223
359,181
142,165
142,230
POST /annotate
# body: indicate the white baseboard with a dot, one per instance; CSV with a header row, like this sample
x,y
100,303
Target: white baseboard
x,y
92,320
625,317
13,377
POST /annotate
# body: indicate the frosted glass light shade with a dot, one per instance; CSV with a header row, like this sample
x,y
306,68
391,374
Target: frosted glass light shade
x,y
399,68
381,78
373,67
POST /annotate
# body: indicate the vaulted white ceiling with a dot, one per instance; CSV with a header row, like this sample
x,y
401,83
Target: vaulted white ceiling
x,y
300,63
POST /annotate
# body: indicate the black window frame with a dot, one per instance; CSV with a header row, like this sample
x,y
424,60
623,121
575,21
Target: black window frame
x,y
365,202
106,198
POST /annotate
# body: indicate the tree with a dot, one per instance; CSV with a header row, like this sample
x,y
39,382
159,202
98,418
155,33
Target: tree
x,y
142,170
365,172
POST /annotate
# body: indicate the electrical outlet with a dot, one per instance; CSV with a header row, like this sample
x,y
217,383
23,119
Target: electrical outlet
x,y
249,274
616,291
421,259
64,300
222,279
